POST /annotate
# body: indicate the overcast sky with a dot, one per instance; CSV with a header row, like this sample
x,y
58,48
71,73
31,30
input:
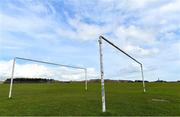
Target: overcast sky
x,y
66,32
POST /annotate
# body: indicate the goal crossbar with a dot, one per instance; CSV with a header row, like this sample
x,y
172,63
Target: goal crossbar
x,y
102,71
120,50
45,62
37,61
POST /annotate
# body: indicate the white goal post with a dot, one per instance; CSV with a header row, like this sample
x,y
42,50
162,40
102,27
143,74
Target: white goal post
x,y
38,61
101,38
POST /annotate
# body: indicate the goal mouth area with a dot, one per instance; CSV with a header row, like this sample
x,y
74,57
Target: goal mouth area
x,y
40,80
101,40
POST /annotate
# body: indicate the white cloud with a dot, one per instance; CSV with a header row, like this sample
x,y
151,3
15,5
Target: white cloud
x,y
138,51
163,18
31,70
82,31
134,35
138,4
5,69
22,23
170,7
31,20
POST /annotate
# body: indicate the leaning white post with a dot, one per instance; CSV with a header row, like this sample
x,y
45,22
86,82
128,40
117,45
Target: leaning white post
x,y
85,79
12,76
143,77
102,76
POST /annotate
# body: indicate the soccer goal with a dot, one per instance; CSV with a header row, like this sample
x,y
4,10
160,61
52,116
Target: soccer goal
x,y
101,39
43,62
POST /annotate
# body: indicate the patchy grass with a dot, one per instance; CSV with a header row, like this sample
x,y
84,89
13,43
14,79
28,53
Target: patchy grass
x,y
71,99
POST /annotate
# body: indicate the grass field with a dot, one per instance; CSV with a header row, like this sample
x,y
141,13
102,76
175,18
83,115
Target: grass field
x,y
71,99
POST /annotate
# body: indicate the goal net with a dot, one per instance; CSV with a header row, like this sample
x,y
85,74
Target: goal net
x,y
25,70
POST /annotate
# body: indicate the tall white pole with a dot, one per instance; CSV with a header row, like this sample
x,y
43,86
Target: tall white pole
x,y
85,79
12,76
144,88
102,76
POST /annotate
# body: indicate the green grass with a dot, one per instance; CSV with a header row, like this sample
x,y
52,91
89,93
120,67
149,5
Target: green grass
x,y
71,99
